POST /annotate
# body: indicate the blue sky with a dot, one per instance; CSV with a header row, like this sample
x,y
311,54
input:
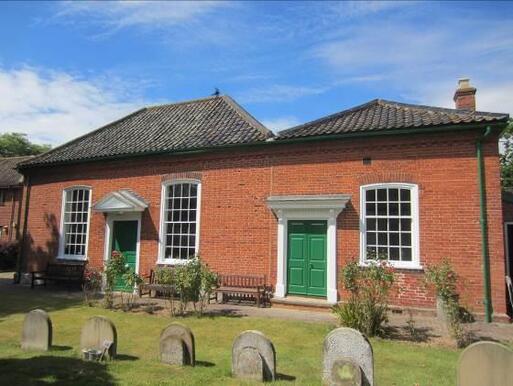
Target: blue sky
x,y
67,68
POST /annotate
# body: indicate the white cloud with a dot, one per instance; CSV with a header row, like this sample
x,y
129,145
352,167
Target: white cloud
x,y
116,15
423,63
490,96
54,107
278,93
350,9
281,123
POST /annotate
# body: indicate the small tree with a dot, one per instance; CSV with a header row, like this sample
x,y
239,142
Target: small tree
x,y
194,283
131,280
367,305
443,279
92,285
117,268
506,157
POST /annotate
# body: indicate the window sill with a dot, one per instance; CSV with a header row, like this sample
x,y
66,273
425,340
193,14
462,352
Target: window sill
x,y
406,267
72,257
172,262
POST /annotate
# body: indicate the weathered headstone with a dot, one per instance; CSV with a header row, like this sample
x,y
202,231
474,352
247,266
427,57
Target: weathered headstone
x,y
485,363
253,357
96,332
347,359
37,331
177,345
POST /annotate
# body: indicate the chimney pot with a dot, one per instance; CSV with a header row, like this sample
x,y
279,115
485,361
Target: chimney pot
x,y
465,95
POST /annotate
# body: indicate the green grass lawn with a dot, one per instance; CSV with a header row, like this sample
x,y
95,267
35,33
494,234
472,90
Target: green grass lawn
x,y
298,349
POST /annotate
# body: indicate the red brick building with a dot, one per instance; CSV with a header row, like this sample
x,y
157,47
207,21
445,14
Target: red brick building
x,y
204,177
11,188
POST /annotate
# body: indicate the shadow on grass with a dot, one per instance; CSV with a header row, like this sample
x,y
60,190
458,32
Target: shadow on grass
x,y
17,299
204,364
125,357
60,348
410,334
55,370
285,377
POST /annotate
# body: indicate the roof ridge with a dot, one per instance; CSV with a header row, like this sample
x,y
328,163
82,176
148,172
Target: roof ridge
x,y
247,116
331,116
437,108
186,102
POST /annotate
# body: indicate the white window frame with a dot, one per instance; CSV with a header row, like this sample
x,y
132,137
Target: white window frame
x,y
414,197
163,209
61,254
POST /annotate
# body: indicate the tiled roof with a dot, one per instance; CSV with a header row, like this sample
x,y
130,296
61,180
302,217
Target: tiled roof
x,y
8,174
201,123
382,115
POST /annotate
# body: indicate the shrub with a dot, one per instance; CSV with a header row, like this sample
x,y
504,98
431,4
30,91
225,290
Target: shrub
x,y
115,268
164,275
92,284
8,255
366,308
131,280
194,283
443,279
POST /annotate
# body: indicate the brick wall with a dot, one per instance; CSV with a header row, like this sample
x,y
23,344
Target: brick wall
x,y
9,212
238,231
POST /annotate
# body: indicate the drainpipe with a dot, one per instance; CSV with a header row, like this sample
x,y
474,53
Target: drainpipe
x,y
23,240
487,300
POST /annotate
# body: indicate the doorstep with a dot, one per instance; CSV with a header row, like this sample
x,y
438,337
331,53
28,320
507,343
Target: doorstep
x,y
302,303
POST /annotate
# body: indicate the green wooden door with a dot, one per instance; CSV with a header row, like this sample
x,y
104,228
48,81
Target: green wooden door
x,y
306,264
124,240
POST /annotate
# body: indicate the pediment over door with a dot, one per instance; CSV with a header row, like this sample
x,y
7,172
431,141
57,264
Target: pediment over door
x,y
121,201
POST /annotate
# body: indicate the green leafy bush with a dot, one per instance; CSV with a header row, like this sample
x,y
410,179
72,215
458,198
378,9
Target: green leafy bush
x,y
367,305
164,276
194,283
443,279
92,285
115,268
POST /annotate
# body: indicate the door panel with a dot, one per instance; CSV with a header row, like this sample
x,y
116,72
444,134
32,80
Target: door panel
x,y
297,258
307,258
124,240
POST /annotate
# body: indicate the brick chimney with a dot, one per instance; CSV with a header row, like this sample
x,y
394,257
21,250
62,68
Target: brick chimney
x,y
465,95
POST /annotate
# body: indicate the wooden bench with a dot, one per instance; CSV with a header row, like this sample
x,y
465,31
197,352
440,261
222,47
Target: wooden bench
x,y
154,286
242,286
60,272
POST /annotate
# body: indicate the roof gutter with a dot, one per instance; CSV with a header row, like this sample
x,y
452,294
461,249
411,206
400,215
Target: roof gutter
x,y
487,296
275,141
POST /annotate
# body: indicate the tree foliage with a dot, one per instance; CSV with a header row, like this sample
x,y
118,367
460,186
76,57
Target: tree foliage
x,y
507,157
17,144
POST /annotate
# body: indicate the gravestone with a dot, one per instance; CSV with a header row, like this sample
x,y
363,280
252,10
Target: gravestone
x,y
347,359
485,363
96,333
177,345
253,357
37,331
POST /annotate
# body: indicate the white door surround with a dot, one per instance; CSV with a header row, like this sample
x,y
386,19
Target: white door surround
x,y
109,227
308,207
121,205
